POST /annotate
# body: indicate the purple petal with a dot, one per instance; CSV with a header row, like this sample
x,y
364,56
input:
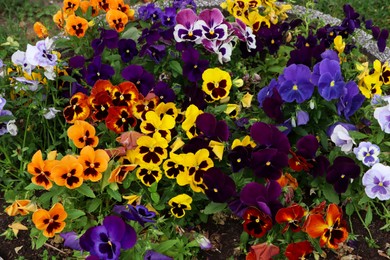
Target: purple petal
x,y
211,17
186,17
250,192
115,227
129,238
71,240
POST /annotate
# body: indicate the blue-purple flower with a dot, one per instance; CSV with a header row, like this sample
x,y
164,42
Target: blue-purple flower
x,y
107,240
168,17
295,84
3,112
127,48
153,255
97,70
138,213
150,11
140,77
377,182
108,39
350,101
367,153
71,240
164,92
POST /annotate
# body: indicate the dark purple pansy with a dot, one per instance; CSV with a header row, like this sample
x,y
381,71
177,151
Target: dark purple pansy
x,y
350,101
380,36
341,172
77,62
269,163
351,20
164,92
239,158
272,106
155,52
150,35
307,146
194,95
219,186
193,67
153,255
107,240
320,166
263,197
212,129
150,11
270,37
127,48
295,83
140,77
74,88
138,213
183,4
268,136
168,17
97,70
266,91
71,240
108,39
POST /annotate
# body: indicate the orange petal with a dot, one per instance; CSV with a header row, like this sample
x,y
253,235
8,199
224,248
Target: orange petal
x,y
39,217
58,209
315,225
36,163
332,214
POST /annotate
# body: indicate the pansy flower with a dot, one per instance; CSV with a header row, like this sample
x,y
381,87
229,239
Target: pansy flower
x,y
211,23
40,30
211,129
149,173
382,114
138,213
166,95
125,94
59,19
94,163
341,138
377,182
120,119
299,250
350,101
168,17
117,20
93,4
174,165
264,251
193,67
152,149
367,153
20,207
189,125
127,48
219,187
82,134
104,5
332,231
186,28
119,174
68,172
97,70
268,136
106,241
341,172
179,204
256,222
41,170
216,83
291,216
76,26
100,103
143,80
268,163
41,55
71,240
52,221
121,6
108,39
143,105
70,6
240,154
153,123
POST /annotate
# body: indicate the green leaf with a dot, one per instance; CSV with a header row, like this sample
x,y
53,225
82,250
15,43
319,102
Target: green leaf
x,y
331,195
176,67
131,33
40,241
368,218
33,186
92,205
379,137
6,118
349,209
164,246
75,213
300,131
68,78
357,135
86,191
155,197
364,200
153,187
214,207
275,69
114,194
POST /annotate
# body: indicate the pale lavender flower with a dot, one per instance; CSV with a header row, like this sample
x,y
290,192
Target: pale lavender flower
x,y
3,112
377,182
367,153
12,129
50,113
19,58
40,54
204,242
28,84
302,117
382,114
342,139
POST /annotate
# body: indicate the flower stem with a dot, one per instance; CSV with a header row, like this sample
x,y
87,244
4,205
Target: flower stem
x,y
361,220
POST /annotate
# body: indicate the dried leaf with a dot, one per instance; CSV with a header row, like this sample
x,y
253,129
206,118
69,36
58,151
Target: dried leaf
x,y
17,249
16,226
351,257
383,254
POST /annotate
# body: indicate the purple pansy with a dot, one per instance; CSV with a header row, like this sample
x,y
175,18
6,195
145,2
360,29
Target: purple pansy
x,y
307,146
272,106
268,136
97,70
219,186
138,213
367,153
164,92
266,91
302,117
153,255
40,54
127,48
263,197
377,182
3,125
107,240
244,34
269,163
155,52
211,23
380,36
327,76
183,4
347,126
382,114
71,240
140,77
212,129
108,39
341,172
187,28
168,17
193,67
239,157
150,11
295,84
350,101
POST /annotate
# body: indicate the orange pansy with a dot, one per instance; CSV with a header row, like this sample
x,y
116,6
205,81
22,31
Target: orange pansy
x,y
52,221
59,19
70,6
94,163
78,108
22,207
82,134
68,172
124,94
117,20
120,119
40,30
143,105
291,216
332,231
41,170
84,5
76,26
104,4
121,6
119,173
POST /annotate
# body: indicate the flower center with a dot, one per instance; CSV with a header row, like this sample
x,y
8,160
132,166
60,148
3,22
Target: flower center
x,y
69,175
215,190
295,87
268,163
190,33
332,83
343,176
239,160
380,184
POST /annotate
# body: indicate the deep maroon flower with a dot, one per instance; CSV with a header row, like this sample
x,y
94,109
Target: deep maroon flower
x,y
219,186
268,163
341,172
193,67
106,241
138,213
212,129
194,95
307,146
127,48
268,136
350,101
108,39
164,92
271,37
320,166
262,197
96,70
140,77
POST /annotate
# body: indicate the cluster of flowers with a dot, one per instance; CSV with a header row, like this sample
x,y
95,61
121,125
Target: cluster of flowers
x,y
184,132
